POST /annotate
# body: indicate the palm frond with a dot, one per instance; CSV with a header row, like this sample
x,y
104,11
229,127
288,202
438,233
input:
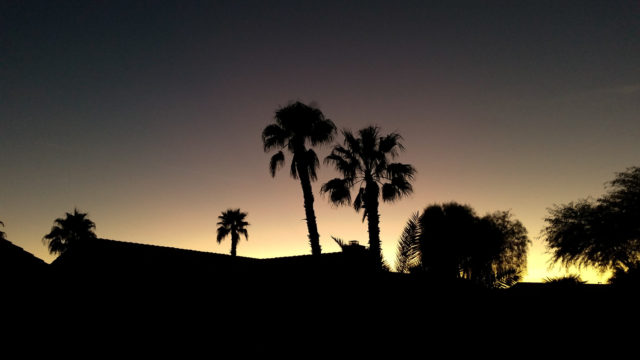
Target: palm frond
x,y
506,279
274,136
323,130
276,162
369,146
395,170
397,188
364,214
61,221
223,232
379,165
351,142
358,202
369,136
312,163
293,171
339,241
408,253
390,144
568,280
348,154
343,161
339,191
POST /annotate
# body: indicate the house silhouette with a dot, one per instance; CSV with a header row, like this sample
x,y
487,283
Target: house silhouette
x,y
104,258
15,262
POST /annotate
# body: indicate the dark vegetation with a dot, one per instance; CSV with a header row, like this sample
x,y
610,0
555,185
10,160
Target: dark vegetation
x,y
602,233
449,242
456,271
565,281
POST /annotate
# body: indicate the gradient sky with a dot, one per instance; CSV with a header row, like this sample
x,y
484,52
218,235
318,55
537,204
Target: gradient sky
x,y
148,114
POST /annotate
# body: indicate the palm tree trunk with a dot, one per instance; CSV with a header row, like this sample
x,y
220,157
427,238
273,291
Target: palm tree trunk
x,y
234,243
314,237
373,222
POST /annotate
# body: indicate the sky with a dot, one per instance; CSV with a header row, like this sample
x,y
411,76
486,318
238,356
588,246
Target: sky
x,y
148,114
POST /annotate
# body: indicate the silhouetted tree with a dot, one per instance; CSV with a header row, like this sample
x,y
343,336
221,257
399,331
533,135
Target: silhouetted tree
x,y
296,126
2,233
232,223
500,258
69,231
364,162
605,233
451,242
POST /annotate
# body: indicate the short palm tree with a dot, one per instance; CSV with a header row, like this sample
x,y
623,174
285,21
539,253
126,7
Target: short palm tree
x,y
364,162
69,231
232,223
296,126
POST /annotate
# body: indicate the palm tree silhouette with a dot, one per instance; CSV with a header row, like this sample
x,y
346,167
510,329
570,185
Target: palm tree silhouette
x,y
364,161
232,223
2,233
67,232
296,125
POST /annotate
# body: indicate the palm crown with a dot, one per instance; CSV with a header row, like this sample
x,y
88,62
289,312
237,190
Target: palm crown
x,y
69,231
364,162
296,125
232,222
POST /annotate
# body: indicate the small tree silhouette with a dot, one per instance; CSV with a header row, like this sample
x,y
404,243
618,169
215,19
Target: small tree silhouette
x,y
69,231
604,233
2,233
232,223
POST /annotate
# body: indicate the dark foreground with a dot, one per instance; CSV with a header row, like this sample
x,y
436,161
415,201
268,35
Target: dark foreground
x,y
121,300
312,313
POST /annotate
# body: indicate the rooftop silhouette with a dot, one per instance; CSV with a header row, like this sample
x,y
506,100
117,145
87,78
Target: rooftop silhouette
x,y
104,257
15,261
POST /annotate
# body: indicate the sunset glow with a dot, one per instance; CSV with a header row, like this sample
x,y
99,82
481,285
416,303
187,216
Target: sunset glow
x,y
149,117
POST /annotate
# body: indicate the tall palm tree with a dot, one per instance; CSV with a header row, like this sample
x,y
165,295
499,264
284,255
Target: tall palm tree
x,y
297,125
69,231
232,223
364,162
